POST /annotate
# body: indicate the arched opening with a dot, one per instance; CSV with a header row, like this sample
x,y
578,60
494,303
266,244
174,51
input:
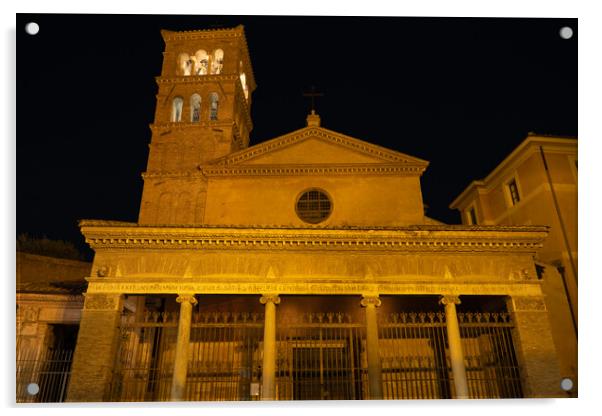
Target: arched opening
x,y
245,88
217,61
184,64
176,109
201,62
195,108
214,98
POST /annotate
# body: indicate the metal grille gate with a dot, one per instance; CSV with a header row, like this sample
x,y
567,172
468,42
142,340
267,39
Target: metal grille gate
x,y
321,356
416,361
49,371
415,364
492,369
145,357
224,356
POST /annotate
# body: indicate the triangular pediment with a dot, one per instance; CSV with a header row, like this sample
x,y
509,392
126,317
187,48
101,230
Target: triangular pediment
x,y
317,146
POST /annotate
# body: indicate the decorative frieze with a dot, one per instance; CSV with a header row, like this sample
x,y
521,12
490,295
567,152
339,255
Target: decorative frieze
x,y
528,303
100,301
28,313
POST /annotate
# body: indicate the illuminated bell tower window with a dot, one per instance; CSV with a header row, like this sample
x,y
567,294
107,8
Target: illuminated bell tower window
x,y
214,99
176,109
185,64
245,88
201,62
314,206
195,108
217,61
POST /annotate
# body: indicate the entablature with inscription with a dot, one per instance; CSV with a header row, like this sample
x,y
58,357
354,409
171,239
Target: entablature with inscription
x,y
97,285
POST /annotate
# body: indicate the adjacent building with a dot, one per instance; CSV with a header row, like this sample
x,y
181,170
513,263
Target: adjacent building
x,y
49,306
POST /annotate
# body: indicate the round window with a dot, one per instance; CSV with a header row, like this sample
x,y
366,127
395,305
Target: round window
x,y
313,206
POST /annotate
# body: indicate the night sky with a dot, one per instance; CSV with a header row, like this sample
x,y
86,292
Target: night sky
x,y
460,93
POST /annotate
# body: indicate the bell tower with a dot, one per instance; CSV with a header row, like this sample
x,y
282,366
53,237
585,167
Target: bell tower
x,y
203,112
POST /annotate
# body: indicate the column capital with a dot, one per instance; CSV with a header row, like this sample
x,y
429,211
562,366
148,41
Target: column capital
x,y
187,297
373,300
449,299
271,298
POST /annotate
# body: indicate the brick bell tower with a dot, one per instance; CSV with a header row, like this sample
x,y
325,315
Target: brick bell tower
x,y
203,112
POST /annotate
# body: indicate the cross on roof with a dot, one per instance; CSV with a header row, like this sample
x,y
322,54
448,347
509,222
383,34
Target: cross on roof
x,y
313,94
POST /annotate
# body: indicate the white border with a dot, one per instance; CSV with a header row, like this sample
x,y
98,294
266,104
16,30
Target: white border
x,y
589,205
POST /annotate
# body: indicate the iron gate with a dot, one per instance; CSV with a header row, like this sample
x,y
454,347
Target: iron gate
x,y
414,360
416,363
321,356
492,369
46,375
224,357
145,357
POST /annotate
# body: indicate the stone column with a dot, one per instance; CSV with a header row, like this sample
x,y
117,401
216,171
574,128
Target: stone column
x,y
534,347
375,380
180,368
94,356
268,389
455,345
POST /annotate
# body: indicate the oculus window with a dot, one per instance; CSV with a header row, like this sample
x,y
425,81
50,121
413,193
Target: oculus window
x,y
314,206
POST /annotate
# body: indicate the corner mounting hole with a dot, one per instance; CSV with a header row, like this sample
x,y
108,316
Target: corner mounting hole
x,y
566,32
33,389
32,28
566,384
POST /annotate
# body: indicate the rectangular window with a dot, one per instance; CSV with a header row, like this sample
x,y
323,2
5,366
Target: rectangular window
x,y
513,190
472,216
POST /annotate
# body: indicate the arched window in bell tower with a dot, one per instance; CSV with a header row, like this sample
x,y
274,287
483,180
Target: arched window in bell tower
x,y
201,63
217,61
176,109
245,88
184,64
195,108
214,99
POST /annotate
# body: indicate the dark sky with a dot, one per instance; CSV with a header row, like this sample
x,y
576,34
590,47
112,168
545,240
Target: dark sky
x,y
460,93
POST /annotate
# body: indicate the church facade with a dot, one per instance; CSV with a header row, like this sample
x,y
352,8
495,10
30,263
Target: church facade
x,y
299,268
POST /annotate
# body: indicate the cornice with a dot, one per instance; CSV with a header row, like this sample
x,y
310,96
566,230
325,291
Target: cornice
x,y
182,174
77,300
195,79
233,32
295,170
425,238
289,170
167,127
